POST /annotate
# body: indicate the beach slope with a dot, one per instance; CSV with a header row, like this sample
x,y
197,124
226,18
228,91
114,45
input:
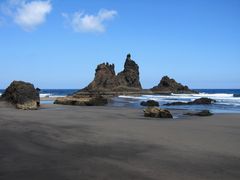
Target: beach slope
x,y
64,143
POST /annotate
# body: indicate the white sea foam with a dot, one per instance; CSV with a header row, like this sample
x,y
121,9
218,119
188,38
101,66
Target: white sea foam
x,y
46,95
221,98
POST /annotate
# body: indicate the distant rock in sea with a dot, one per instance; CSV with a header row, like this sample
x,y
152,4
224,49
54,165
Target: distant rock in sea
x,y
200,101
23,95
168,85
106,83
106,80
236,95
129,77
150,103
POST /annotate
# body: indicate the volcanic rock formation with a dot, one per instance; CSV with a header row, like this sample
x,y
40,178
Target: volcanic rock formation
x,y
200,101
150,103
157,113
23,95
106,80
168,85
129,77
82,101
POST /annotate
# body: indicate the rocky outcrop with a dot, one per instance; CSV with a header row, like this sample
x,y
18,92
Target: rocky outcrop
x,y
106,84
129,77
82,101
201,113
150,103
23,95
236,95
203,101
106,80
168,85
157,113
200,101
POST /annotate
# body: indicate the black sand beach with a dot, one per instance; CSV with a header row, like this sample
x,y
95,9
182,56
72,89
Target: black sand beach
x,y
64,142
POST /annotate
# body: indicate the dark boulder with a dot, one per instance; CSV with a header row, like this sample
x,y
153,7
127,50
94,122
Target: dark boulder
x,y
171,86
149,103
157,113
201,113
236,95
203,101
23,95
176,104
200,101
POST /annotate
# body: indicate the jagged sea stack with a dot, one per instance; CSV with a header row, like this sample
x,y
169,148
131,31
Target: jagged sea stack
x,y
106,81
129,77
104,78
106,84
23,95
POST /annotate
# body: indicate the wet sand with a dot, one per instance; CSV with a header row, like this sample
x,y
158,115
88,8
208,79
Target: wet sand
x,y
69,143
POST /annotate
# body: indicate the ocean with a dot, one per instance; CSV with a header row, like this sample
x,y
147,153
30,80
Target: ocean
x,y
226,102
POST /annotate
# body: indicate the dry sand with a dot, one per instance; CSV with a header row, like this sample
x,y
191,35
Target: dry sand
x,y
71,143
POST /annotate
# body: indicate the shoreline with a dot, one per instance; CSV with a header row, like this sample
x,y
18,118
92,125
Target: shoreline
x,y
68,142
135,103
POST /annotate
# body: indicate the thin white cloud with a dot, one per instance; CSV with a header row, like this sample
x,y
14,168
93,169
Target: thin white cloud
x,y
27,14
81,22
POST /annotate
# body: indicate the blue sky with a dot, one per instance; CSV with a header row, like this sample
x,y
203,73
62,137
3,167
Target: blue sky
x,y
58,43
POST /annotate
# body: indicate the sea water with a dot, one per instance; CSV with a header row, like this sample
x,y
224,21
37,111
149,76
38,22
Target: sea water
x,y
226,102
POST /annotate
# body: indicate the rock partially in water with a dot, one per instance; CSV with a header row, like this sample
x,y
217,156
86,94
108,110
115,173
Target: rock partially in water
x,y
200,101
169,85
177,104
149,103
157,113
129,77
236,95
82,101
106,80
201,113
23,95
203,101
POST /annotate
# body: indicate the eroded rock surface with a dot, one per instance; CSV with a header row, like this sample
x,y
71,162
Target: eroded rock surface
x,y
82,101
23,95
200,101
169,85
149,103
157,113
106,80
